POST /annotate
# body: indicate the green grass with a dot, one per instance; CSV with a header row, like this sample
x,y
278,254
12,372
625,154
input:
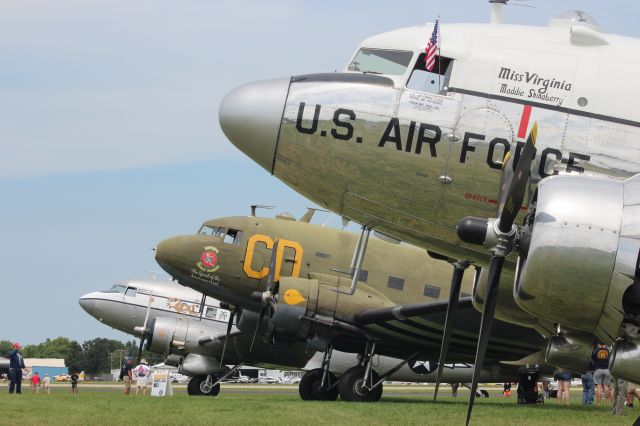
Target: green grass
x,y
109,406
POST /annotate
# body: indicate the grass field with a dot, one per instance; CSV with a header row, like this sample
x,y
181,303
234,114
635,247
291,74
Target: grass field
x,y
241,406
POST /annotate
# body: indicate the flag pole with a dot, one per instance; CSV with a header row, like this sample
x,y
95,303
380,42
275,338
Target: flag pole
x,y
439,60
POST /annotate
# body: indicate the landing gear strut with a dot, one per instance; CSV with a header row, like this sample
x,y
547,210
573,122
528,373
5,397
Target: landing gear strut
x,y
361,383
320,384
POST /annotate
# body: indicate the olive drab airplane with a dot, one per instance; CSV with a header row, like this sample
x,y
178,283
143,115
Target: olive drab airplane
x,y
189,330
450,159
289,282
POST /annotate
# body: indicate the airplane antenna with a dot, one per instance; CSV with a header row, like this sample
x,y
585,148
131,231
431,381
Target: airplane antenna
x,y
309,214
257,206
498,5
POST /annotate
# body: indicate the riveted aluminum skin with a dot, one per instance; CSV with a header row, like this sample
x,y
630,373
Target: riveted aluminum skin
x,y
250,117
570,351
573,250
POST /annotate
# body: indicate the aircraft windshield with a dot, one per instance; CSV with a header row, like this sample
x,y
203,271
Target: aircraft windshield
x,y
213,231
379,61
116,289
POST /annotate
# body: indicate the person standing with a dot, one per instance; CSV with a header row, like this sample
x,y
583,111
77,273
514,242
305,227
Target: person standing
x,y
35,382
602,377
74,383
126,375
564,385
16,365
46,383
142,373
588,386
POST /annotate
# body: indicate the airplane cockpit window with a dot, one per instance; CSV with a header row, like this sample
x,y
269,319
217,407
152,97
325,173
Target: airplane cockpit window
x,y
213,231
131,291
233,237
381,61
116,289
434,81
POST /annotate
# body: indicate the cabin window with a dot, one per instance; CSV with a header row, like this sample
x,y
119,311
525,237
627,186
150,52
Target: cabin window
x,y
131,291
395,283
322,255
233,237
210,312
381,61
363,276
431,291
435,81
116,289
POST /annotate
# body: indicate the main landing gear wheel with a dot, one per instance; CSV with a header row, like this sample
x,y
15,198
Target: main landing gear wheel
x,y
352,388
310,389
198,386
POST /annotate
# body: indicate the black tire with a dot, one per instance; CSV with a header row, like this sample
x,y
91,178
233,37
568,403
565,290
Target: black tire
x,y
484,393
310,390
350,386
196,387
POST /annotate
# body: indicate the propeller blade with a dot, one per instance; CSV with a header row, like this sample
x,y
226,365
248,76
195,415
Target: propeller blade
x,y
141,347
272,265
255,332
454,294
511,200
226,338
144,326
488,311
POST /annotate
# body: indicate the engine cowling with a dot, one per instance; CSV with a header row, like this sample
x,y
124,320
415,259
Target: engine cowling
x,y
179,336
571,351
582,253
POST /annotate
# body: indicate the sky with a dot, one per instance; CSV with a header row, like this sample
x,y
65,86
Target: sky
x,y
109,137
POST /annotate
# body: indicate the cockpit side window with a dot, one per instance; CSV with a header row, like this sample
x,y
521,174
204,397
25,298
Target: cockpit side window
x,y
233,236
435,81
381,61
117,289
131,291
213,231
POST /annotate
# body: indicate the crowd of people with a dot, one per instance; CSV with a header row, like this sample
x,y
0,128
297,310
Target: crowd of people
x,y
598,386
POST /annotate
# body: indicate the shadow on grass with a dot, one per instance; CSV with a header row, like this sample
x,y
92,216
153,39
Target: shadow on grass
x,y
495,403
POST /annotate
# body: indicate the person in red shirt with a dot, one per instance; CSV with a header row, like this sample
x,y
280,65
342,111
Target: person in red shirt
x,y
35,383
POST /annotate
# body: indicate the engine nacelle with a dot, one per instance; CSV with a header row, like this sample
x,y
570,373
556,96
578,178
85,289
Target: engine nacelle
x,y
178,336
199,365
570,351
582,253
625,361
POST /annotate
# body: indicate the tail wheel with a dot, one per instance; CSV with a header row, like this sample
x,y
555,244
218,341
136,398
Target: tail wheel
x,y
310,389
198,386
352,386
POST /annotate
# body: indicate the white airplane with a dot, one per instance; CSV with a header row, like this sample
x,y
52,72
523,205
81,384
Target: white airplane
x,y
194,343
429,135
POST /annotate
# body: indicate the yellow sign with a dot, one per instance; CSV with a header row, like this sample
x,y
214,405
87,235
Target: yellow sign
x,y
268,243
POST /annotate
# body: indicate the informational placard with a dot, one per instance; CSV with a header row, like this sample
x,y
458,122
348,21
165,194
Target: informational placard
x,y
161,383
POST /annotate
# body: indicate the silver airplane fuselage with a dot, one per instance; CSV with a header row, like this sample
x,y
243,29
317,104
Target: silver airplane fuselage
x,y
125,307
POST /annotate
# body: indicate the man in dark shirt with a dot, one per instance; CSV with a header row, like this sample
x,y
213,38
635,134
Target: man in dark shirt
x,y
16,365
602,376
125,375
74,383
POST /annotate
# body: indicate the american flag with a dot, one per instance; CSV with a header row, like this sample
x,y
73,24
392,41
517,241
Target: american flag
x,y
430,50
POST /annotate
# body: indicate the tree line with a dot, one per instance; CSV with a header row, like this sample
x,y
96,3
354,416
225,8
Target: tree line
x,y
96,356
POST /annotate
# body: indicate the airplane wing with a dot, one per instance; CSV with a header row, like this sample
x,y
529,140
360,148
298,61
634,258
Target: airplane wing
x,y
420,326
